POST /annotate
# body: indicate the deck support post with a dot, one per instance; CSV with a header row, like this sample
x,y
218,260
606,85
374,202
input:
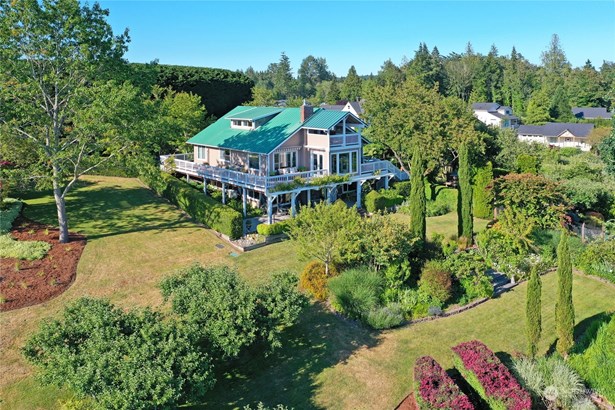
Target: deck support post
x,y
187,177
331,193
293,203
244,195
386,182
270,200
359,192
224,193
309,197
204,187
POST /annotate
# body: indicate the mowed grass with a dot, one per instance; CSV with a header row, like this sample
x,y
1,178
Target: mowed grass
x,y
134,240
445,225
326,361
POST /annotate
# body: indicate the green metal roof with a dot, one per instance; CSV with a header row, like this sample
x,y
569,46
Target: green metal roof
x,y
254,113
267,137
324,119
262,140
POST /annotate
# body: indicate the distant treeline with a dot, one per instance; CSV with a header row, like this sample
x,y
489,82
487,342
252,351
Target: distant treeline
x,y
220,90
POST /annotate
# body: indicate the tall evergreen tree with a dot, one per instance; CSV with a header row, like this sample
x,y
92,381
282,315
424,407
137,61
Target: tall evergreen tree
x,y
564,309
483,197
351,87
282,77
418,201
533,315
538,108
464,197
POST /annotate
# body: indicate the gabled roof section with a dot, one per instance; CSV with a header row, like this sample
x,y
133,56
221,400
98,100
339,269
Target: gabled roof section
x,y
261,140
254,113
485,106
324,119
591,112
555,129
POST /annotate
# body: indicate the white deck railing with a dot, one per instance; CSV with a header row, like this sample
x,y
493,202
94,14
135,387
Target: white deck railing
x,y
383,166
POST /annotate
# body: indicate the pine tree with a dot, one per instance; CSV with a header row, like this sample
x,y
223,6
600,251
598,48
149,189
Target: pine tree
x,y
464,197
483,198
564,309
351,87
533,318
418,201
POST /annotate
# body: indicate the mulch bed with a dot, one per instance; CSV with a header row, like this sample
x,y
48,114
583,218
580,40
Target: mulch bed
x,y
408,403
26,283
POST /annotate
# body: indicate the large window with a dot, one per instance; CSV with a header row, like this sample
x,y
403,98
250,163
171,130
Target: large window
x,y
253,161
276,161
226,155
317,162
354,161
291,159
201,153
344,161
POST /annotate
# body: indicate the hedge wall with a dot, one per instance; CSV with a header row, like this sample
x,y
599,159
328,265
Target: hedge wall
x,y
273,229
220,90
379,201
204,209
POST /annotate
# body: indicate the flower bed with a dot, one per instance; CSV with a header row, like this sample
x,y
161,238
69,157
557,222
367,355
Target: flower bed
x,y
435,389
489,377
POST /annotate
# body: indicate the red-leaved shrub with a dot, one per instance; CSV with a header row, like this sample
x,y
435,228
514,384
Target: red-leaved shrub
x,y
435,389
498,384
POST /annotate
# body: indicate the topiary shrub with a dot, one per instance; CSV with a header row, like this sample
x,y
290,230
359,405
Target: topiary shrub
x,y
434,208
273,229
314,279
356,292
382,200
436,280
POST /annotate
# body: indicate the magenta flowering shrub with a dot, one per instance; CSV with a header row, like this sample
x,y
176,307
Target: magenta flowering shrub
x,y
495,382
435,389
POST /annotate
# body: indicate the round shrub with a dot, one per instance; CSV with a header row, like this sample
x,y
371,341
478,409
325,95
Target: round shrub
x,y
385,317
356,291
273,229
314,279
436,280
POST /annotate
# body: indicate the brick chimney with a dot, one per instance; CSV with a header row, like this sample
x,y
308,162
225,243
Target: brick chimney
x,y
306,111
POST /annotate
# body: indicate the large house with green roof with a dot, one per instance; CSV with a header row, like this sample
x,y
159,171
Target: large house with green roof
x,y
282,157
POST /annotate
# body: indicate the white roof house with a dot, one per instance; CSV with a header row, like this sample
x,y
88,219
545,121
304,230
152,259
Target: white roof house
x,y
495,115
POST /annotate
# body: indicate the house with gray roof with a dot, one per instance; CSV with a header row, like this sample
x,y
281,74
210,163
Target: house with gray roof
x,y
591,113
355,107
495,115
558,134
277,157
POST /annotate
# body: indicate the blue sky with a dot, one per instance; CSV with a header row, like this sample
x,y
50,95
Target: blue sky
x,y
236,35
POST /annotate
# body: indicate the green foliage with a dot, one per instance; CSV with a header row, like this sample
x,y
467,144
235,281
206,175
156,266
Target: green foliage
x,y
219,90
114,357
356,292
314,279
436,280
527,164
533,318
273,229
564,309
598,258
551,380
351,86
482,196
385,317
403,188
417,194
326,232
9,211
464,198
382,200
469,267
531,197
435,208
596,364
607,151
204,209
226,314
28,250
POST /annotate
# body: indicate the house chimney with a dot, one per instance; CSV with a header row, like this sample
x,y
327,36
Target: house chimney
x,y
306,111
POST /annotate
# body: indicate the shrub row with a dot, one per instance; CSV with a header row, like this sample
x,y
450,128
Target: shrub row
x,y
8,213
28,250
434,389
273,229
381,200
204,209
489,377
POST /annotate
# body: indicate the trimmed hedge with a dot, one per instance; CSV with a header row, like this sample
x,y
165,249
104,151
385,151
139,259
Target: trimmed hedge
x,y
204,209
273,229
489,377
434,389
379,201
9,214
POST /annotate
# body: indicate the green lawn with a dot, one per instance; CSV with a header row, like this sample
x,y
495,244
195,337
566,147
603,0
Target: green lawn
x,y
326,362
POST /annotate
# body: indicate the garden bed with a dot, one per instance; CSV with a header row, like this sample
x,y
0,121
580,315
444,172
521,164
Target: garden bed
x,y
26,283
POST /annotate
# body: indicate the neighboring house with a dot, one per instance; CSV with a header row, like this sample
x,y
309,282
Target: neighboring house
x,y
277,156
558,134
495,115
591,113
354,107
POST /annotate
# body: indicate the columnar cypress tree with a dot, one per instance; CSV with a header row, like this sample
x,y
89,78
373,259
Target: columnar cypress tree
x,y
483,198
564,309
418,200
533,318
464,198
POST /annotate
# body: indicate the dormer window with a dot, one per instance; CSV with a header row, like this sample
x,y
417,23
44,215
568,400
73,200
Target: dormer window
x,y
242,124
